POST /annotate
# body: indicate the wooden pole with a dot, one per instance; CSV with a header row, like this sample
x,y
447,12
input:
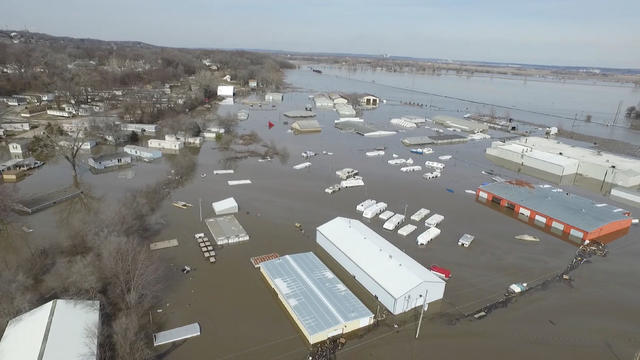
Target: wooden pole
x,y
200,205
421,313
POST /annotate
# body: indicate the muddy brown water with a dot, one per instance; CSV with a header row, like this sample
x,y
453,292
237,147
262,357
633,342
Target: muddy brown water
x,y
593,317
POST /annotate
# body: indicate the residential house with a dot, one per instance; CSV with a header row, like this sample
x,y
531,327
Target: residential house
x,y
166,144
61,113
139,128
109,161
15,126
273,97
18,147
253,83
17,101
370,100
34,110
142,152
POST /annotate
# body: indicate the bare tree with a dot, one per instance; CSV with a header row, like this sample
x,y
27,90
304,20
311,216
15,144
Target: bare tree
x,y
55,141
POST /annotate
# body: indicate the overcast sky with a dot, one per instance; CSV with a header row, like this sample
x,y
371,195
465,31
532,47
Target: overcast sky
x,y
555,32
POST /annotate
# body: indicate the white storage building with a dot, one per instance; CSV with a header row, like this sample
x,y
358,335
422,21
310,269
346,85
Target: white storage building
x,y
395,279
59,329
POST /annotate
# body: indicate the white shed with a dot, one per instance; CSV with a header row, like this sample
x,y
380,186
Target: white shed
x,y
226,206
394,278
59,329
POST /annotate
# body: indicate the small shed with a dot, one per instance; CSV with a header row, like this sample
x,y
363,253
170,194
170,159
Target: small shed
x,y
225,91
253,83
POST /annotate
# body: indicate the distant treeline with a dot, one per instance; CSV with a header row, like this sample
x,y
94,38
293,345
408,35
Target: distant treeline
x,y
40,62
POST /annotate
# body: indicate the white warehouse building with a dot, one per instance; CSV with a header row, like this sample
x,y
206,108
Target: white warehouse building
x,y
394,278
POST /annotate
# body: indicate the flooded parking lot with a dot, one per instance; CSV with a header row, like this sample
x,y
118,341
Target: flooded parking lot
x,y
593,317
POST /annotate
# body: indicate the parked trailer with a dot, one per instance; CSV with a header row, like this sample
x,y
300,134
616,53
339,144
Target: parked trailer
x,y
393,222
428,235
411,168
365,205
440,272
386,215
434,220
375,153
374,210
407,229
396,161
420,214
466,240
434,164
432,175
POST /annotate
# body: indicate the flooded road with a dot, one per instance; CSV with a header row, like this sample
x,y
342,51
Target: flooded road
x,y
594,317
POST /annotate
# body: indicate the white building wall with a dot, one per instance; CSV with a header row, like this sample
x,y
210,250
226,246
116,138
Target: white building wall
x,y
363,278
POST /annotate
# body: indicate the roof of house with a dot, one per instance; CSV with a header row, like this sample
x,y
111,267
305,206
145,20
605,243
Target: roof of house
x,y
59,329
316,296
108,157
571,209
391,268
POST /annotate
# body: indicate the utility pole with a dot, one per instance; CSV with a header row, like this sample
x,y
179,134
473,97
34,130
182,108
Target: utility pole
x,y
421,313
200,206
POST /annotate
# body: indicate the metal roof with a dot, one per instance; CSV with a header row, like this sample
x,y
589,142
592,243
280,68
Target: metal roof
x,y
571,209
319,300
391,268
59,329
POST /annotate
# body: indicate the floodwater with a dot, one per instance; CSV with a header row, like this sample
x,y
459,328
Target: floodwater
x,y
541,101
594,317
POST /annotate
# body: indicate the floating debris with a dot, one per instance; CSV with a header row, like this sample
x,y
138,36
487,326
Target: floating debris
x,y
375,153
302,165
181,204
163,244
238,182
445,157
411,168
526,237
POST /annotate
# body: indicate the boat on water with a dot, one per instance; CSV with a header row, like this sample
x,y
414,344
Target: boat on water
x,y
181,204
527,237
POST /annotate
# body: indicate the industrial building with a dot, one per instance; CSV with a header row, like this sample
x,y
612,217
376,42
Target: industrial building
x,y
559,162
461,124
572,214
319,303
399,282
59,329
